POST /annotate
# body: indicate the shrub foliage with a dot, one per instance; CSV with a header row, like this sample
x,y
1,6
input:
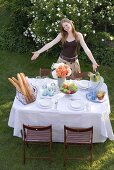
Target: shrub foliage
x,y
11,33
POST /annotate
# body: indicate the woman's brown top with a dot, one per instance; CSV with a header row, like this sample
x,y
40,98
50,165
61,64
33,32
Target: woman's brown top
x,y
69,49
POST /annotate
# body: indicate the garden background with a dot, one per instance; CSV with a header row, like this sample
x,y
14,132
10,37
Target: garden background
x,y
24,27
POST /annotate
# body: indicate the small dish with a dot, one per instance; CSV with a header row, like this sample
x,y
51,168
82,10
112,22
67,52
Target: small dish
x,y
100,95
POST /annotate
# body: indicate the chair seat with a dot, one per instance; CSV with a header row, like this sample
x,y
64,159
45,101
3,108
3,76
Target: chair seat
x,y
41,136
78,138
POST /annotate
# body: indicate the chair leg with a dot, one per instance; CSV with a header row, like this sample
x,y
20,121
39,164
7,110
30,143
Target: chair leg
x,y
24,152
90,155
50,148
64,154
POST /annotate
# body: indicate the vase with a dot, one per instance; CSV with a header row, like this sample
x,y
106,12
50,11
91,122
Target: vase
x,y
96,85
61,81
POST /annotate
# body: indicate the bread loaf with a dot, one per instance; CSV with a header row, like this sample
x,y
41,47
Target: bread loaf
x,y
15,84
15,80
23,87
27,99
21,84
27,87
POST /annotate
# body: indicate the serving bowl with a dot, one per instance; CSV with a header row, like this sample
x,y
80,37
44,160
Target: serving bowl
x,y
69,88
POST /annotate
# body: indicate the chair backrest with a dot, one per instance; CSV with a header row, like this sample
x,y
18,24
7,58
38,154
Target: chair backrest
x,y
44,72
36,128
86,133
80,75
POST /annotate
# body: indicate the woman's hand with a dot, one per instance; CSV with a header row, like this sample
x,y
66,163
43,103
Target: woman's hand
x,y
95,65
35,55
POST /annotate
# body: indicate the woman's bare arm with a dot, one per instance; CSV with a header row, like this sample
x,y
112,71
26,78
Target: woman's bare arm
x,y
87,51
47,46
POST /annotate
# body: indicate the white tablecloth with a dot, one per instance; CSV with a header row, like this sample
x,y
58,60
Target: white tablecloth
x,y
93,114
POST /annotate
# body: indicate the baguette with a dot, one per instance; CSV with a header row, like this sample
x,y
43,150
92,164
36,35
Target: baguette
x,y
27,99
15,80
15,84
21,84
23,88
27,87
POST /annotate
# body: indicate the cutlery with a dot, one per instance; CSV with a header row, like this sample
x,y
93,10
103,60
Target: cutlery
x,y
56,103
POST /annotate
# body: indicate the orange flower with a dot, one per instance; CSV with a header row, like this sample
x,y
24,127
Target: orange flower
x,y
61,70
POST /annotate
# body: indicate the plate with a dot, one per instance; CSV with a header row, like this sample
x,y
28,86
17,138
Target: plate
x,y
89,97
75,109
83,84
45,103
76,104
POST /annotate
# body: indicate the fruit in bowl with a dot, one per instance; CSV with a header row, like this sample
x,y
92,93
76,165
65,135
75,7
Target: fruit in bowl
x,y
100,95
69,88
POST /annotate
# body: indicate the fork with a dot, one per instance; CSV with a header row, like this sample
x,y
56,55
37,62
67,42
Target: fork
x,y
56,103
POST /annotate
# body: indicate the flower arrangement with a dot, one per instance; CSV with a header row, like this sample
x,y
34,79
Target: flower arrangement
x,y
60,70
94,77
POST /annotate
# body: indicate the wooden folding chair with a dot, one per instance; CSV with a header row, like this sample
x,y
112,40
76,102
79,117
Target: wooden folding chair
x,y
80,75
44,72
77,137
35,135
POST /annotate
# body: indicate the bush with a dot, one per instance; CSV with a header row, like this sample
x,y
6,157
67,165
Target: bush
x,y
103,55
101,46
14,42
12,33
99,39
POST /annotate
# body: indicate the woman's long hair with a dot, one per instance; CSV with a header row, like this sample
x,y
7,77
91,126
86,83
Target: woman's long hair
x,y
64,33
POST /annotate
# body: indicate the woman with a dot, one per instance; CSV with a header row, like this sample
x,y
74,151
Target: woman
x,y
70,39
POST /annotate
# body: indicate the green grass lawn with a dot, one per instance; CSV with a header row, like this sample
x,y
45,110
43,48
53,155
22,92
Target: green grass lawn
x,y
11,147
